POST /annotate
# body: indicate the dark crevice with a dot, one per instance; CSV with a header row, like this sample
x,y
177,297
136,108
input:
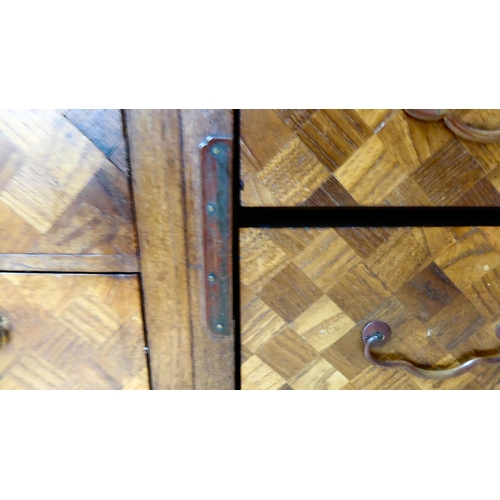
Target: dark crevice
x,y
97,273
138,253
236,249
186,243
268,217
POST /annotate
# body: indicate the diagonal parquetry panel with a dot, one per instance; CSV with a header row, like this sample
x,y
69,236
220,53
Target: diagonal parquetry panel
x,y
58,191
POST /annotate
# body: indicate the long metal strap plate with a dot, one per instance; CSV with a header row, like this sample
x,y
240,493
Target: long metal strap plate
x,y
216,161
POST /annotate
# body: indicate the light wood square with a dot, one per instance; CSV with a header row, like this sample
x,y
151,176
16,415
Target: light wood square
x,y
469,259
295,161
326,259
259,323
322,324
255,374
319,375
399,260
371,173
261,259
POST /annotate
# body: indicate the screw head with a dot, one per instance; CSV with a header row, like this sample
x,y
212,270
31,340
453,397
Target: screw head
x,y
380,330
211,278
146,350
216,151
210,209
219,326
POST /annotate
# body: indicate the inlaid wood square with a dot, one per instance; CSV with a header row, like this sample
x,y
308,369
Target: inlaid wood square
x,y
72,332
438,289
59,193
318,157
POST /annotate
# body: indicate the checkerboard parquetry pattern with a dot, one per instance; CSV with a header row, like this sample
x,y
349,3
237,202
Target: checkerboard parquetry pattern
x,y
307,293
366,158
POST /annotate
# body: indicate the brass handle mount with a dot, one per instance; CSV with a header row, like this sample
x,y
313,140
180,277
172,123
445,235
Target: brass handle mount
x,y
378,333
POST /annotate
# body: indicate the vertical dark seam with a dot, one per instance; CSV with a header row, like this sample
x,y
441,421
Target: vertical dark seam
x,y
236,249
138,253
186,242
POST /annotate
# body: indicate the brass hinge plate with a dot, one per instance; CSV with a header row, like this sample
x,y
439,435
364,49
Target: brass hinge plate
x,y
216,162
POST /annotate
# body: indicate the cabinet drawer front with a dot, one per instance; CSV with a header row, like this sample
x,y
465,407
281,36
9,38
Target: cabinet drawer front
x,y
72,332
366,158
306,295
59,192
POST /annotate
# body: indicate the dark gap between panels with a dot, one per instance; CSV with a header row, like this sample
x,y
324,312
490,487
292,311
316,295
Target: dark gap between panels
x,y
236,250
269,217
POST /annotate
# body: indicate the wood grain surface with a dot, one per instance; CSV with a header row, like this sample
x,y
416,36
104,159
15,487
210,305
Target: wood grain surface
x,y
213,358
164,153
59,193
365,158
72,332
307,293
104,127
69,263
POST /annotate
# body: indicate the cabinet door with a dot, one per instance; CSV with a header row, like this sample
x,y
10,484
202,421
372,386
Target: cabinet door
x,y
321,157
307,294
71,332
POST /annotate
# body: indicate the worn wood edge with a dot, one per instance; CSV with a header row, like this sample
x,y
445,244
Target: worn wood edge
x,y
69,263
154,138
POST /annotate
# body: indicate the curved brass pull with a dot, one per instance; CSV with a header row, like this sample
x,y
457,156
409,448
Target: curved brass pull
x,y
457,126
378,333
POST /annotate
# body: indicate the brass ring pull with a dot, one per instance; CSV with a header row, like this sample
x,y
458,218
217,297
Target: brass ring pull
x,y
378,333
458,127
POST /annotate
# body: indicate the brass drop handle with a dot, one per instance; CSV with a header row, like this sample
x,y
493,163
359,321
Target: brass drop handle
x,y
456,125
378,333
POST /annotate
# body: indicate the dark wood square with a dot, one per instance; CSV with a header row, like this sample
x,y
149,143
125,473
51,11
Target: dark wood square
x,y
364,241
358,292
290,293
287,353
482,194
347,354
448,175
331,194
428,292
455,323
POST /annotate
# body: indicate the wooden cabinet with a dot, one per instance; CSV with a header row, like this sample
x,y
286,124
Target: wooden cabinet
x,y
307,293
71,271
74,318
